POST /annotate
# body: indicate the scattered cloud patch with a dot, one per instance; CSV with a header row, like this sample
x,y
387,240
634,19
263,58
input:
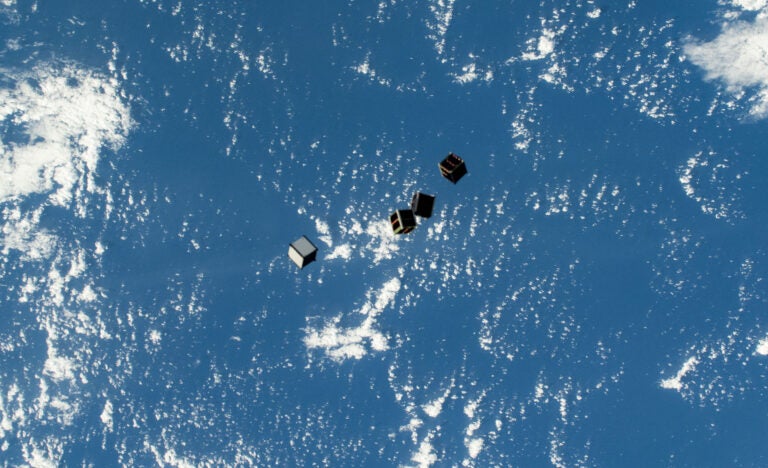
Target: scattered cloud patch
x,y
474,446
367,238
750,5
343,252
435,407
762,347
382,243
738,58
521,134
442,12
364,68
324,232
472,442
542,47
471,72
676,382
66,117
21,232
56,121
106,416
709,179
59,368
340,342
425,456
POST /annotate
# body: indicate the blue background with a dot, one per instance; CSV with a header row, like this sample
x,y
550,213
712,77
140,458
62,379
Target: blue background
x,y
611,296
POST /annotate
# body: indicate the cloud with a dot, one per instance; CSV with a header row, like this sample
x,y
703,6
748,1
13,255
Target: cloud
x,y
752,5
762,347
56,121
340,343
67,115
676,382
738,58
545,45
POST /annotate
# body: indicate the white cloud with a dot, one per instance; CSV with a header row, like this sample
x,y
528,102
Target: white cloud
x,y
471,407
708,179
471,72
751,5
343,251
106,416
39,458
340,343
737,57
468,75
675,383
544,46
67,115
762,347
55,121
382,242
366,69
20,232
57,367
425,456
442,10
435,407
594,13
375,239
474,446
324,232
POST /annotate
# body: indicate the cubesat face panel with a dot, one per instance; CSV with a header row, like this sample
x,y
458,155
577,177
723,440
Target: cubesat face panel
x,y
422,204
302,252
402,221
453,168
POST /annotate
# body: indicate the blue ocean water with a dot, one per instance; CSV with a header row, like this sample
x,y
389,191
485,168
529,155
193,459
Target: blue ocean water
x,y
590,294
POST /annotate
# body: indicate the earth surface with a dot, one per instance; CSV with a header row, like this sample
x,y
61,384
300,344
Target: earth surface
x,y
592,293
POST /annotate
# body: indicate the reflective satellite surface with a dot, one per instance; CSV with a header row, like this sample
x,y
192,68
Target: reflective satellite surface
x,y
592,293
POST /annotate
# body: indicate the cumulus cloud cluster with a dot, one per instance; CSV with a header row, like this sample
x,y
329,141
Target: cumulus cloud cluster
x,y
56,120
67,115
340,343
738,56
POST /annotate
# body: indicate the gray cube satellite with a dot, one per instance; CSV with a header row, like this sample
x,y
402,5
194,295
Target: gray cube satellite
x,y
302,252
